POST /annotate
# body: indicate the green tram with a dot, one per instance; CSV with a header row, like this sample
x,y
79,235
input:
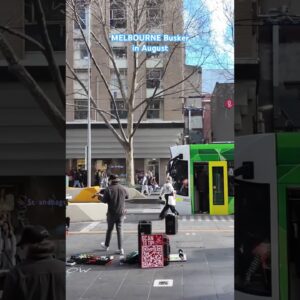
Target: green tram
x,y
267,217
203,178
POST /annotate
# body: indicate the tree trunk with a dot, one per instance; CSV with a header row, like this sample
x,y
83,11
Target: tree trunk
x,y
130,163
129,150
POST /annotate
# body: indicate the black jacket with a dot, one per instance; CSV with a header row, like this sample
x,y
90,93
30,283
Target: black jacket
x,y
115,196
36,279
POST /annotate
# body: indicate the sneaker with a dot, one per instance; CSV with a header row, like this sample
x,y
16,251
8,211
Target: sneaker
x,y
120,251
104,247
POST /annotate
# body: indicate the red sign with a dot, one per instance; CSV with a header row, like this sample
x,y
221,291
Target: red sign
x,y
229,103
152,251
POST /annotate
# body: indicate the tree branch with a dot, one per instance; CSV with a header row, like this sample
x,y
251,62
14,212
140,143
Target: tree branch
x,y
49,52
50,110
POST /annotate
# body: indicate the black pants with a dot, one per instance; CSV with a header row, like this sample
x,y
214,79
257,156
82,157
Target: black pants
x,y
167,207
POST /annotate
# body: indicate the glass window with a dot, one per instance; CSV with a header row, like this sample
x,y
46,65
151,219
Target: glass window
x,y
178,170
83,51
120,52
114,83
78,89
153,78
154,110
154,16
118,14
80,111
218,185
81,18
252,238
121,107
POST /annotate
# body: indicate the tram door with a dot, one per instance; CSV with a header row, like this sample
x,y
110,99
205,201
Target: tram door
x,y
293,239
218,188
201,190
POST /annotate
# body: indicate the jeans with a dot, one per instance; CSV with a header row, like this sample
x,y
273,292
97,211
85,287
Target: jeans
x,y
111,221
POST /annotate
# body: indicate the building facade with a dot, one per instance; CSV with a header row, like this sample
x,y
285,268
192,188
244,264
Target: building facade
x,y
29,143
266,72
162,124
222,112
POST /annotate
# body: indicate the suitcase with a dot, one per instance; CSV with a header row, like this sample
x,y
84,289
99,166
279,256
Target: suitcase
x,y
167,249
144,227
171,223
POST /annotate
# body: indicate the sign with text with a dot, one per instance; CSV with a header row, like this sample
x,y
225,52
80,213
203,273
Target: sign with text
x,y
152,251
229,104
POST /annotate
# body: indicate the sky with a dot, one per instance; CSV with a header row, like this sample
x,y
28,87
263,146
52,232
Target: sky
x,y
216,45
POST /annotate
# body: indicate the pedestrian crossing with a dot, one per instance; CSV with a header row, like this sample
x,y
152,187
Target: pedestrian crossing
x,y
206,218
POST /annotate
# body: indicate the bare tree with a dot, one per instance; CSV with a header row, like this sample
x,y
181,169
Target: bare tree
x,y
54,112
136,17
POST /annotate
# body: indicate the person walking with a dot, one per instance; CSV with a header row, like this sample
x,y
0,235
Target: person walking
x,y
39,275
115,195
168,191
145,185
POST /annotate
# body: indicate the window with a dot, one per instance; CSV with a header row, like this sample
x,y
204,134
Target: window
x,y
114,80
80,110
121,107
82,19
83,51
154,3
154,16
154,110
118,14
78,89
120,52
55,22
153,78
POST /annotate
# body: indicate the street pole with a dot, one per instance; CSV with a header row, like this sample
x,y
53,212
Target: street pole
x,y
89,138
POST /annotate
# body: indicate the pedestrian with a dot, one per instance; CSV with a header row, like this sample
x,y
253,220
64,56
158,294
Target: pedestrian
x,y
76,179
82,178
115,195
168,191
104,180
154,184
39,275
145,187
149,181
98,177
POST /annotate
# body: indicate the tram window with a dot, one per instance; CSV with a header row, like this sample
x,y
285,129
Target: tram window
x,y
218,186
252,238
179,173
293,236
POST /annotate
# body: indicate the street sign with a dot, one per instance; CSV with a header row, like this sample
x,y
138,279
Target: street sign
x,y
152,251
229,103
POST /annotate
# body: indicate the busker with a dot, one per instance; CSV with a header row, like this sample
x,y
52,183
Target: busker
x,y
40,275
115,195
169,192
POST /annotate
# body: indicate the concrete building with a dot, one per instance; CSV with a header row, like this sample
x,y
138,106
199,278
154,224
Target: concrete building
x,y
29,143
266,66
222,116
161,126
193,109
